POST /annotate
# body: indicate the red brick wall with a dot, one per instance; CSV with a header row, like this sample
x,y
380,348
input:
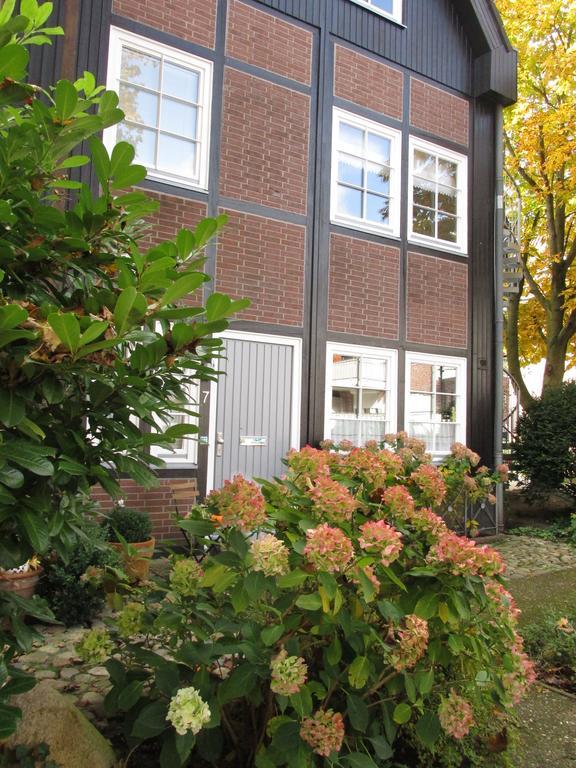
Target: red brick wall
x,y
367,82
364,287
263,260
437,304
266,41
193,20
265,133
440,113
157,502
173,214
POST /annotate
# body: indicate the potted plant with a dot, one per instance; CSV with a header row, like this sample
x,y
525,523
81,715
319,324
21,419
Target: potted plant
x,y
23,580
130,533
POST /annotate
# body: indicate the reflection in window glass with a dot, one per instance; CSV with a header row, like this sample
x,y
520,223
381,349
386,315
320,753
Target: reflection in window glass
x,y
436,196
433,407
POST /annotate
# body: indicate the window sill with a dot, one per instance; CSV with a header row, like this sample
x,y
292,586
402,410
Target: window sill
x,y
436,245
174,181
361,226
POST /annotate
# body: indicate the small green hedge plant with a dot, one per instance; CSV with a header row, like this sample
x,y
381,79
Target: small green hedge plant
x,y
337,619
133,525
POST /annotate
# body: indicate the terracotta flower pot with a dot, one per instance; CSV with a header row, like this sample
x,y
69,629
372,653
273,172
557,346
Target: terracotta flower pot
x,y
137,566
21,584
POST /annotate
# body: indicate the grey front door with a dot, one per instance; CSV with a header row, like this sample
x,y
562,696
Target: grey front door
x,y
256,407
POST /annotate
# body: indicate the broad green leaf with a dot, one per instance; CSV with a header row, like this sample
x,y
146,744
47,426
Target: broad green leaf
x,y
12,408
6,11
292,579
67,328
358,713
309,602
182,287
359,760
197,527
8,337
11,315
122,157
428,729
75,161
100,159
176,749
130,695
129,176
427,606
13,61
151,722
130,304
240,683
334,651
302,702
35,529
93,331
65,99
393,578
9,718
402,713
425,681
382,748
358,672
270,635
32,457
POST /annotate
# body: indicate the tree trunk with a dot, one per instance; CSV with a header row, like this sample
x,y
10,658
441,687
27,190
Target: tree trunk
x,y
513,348
555,365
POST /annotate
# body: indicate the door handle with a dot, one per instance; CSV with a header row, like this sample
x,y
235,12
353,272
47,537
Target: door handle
x,y
219,443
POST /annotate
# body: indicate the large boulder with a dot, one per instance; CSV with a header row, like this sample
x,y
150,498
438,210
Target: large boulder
x,y
47,716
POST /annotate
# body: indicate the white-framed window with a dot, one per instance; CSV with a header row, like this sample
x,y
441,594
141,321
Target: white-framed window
x,y
438,197
185,450
365,174
392,9
436,400
166,95
360,392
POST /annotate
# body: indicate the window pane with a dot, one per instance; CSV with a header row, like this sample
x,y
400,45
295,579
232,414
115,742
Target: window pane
x,y
181,82
447,173
372,430
177,155
374,370
446,379
179,118
378,149
346,429
446,407
445,437
424,164
351,138
378,179
378,209
423,221
374,403
345,401
425,193
350,170
423,432
345,370
349,202
421,407
447,226
384,5
447,200
138,105
143,140
421,377
140,68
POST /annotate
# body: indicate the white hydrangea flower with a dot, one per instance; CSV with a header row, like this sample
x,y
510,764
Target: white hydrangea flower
x,y
188,711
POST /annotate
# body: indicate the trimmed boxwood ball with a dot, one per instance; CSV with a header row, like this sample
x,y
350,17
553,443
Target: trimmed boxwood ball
x,y
132,524
334,620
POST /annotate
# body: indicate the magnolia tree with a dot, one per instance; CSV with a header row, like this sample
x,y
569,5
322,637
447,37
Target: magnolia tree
x,y
333,619
95,343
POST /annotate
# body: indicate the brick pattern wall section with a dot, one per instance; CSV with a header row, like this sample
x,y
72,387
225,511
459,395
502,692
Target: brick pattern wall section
x,y
437,301
158,502
439,113
367,82
364,287
264,40
263,259
192,20
265,136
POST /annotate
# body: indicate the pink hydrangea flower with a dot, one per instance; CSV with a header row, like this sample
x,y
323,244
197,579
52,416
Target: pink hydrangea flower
x,y
332,501
324,732
399,501
463,556
288,673
371,445
307,464
463,453
429,480
427,521
328,548
269,555
455,714
412,643
368,571
380,538
501,599
503,471
239,503
374,467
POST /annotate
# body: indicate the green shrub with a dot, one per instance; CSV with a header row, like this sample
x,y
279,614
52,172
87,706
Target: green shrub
x,y
73,597
133,525
336,615
545,446
552,642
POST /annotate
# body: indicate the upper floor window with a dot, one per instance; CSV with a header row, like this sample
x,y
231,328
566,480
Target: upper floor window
x,y
360,393
365,174
165,95
437,214
436,401
390,8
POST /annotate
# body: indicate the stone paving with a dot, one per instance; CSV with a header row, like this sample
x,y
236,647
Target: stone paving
x,y
526,556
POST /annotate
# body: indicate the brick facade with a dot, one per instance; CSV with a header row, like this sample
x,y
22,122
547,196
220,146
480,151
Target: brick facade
x,y
265,135
263,259
439,113
364,287
437,301
367,82
264,40
192,20
174,213
158,502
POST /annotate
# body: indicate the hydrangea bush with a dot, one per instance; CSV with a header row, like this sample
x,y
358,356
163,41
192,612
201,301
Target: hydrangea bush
x,y
334,620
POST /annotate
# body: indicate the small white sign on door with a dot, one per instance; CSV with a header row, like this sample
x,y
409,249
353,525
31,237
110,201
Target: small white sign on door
x,y
255,440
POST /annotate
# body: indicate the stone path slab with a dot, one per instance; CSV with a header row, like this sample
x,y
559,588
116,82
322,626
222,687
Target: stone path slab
x,y
526,556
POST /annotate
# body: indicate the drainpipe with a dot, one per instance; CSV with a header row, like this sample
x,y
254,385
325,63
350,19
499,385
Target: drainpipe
x,y
499,309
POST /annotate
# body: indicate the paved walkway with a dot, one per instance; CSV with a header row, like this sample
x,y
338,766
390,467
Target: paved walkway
x,y
526,556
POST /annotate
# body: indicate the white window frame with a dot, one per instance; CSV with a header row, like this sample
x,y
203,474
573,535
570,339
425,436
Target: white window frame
x,y
461,244
395,138
396,14
119,38
461,365
188,455
389,355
